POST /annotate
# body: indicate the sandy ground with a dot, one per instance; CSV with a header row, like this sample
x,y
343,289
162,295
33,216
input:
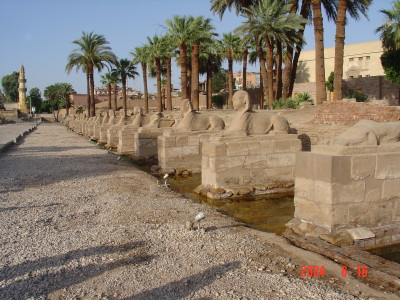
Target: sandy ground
x,y
76,223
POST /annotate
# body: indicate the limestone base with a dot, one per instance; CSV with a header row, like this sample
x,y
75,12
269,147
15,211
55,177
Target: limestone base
x,y
339,188
181,151
249,164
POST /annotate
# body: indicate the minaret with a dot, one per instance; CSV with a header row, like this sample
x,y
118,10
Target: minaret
x,y
22,91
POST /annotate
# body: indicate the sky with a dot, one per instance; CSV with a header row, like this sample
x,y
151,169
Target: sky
x,y
39,33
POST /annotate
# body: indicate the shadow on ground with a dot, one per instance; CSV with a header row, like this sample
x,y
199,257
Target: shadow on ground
x,y
42,285
187,286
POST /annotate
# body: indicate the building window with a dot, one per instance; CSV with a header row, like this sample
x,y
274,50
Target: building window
x,y
368,57
367,75
360,58
359,76
351,59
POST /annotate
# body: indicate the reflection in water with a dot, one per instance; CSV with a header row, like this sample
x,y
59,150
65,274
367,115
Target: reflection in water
x,y
267,212
389,252
262,212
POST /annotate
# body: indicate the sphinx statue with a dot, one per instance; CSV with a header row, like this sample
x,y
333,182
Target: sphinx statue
x,y
367,132
248,122
194,121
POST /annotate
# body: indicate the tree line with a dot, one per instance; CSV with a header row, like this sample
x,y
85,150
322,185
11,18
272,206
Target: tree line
x,y
272,33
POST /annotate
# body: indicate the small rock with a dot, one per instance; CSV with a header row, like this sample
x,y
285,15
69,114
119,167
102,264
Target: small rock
x,y
189,225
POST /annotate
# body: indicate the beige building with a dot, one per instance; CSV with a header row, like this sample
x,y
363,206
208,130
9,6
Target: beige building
x,y
362,71
360,60
252,79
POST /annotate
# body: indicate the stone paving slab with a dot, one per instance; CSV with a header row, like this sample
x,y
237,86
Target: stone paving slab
x,y
10,133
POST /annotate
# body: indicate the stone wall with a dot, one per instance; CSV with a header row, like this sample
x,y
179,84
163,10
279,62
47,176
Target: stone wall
x,y
340,187
349,113
181,151
8,115
145,142
376,87
312,134
261,163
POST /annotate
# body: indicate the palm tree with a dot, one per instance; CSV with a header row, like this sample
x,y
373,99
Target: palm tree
x,y
91,54
156,53
141,55
230,47
182,28
220,6
169,46
79,63
210,62
124,69
390,30
67,90
203,33
107,80
271,22
352,7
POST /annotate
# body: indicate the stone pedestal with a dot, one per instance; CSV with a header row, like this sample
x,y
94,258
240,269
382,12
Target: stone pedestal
x,y
103,133
339,187
241,165
113,134
146,142
181,151
126,138
96,131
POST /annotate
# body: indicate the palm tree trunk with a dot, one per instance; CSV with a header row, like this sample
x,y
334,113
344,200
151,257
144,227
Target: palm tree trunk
x,y
288,60
262,93
305,12
182,57
109,95
124,95
115,97
163,97
263,72
230,78
245,54
278,94
88,92
287,73
67,105
189,80
270,66
93,102
158,76
339,50
209,85
169,86
320,86
195,75
146,94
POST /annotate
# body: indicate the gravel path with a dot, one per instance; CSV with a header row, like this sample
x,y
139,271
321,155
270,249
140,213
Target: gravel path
x,y
75,223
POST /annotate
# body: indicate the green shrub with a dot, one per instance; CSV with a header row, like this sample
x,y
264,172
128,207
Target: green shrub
x,y
304,97
359,96
292,102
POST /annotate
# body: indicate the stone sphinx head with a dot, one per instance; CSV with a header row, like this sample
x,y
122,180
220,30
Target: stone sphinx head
x,y
194,121
186,107
241,101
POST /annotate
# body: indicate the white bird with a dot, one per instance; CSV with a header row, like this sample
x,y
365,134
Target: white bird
x,y
109,150
119,158
166,176
200,216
